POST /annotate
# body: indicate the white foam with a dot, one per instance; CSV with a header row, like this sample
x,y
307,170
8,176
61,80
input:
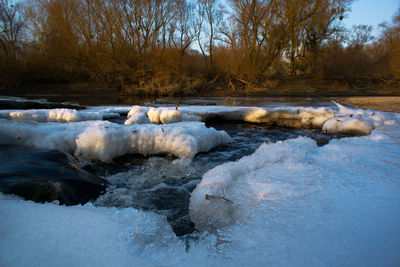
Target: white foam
x,y
102,140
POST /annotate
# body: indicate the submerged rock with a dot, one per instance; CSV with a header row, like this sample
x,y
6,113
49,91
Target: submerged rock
x,y
45,175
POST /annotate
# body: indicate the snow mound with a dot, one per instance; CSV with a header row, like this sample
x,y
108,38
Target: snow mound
x,y
354,122
232,193
348,126
169,115
103,140
290,117
55,115
229,192
138,118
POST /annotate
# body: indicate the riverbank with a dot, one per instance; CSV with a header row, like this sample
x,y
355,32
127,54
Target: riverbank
x,y
382,103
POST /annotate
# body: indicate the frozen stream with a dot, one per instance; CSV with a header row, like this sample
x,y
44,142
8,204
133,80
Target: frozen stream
x,y
268,196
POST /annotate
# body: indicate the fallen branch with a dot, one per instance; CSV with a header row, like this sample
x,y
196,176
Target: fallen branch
x,y
177,104
210,197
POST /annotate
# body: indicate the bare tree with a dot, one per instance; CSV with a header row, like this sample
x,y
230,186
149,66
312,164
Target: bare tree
x,y
322,25
12,23
210,16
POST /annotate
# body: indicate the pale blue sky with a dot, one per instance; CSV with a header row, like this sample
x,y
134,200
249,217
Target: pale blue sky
x,y
372,12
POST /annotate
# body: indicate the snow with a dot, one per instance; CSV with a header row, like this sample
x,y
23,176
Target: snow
x,y
169,115
288,117
55,115
354,122
138,118
345,120
291,203
51,235
137,115
103,140
302,205
347,126
110,109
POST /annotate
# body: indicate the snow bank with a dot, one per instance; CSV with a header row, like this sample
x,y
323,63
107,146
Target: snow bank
x,y
55,115
290,117
346,120
286,117
102,140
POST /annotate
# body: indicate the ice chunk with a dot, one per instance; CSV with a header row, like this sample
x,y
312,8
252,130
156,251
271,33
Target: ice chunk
x,y
137,115
102,140
355,121
135,110
348,126
290,117
137,118
169,115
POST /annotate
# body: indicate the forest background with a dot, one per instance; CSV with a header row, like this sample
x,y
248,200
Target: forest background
x,y
195,47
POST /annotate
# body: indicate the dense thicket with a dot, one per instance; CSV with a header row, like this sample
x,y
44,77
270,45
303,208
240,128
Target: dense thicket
x,y
183,46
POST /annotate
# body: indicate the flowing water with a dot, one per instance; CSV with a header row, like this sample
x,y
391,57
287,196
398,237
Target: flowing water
x,y
164,184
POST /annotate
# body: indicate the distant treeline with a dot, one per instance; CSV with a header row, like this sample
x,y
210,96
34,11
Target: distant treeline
x,y
169,47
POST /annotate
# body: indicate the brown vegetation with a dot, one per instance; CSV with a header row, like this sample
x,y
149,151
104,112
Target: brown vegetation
x,y
188,47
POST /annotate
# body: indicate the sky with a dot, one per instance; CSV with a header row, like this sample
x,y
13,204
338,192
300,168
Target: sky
x,y
372,12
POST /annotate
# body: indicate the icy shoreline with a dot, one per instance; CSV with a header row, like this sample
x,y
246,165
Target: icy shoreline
x,y
289,203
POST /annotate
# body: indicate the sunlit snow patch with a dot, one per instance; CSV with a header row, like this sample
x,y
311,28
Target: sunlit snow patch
x,y
233,192
102,140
